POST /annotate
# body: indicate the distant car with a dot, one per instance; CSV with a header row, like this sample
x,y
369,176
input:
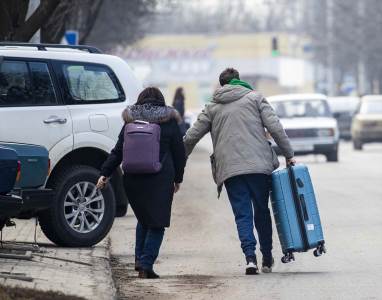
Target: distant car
x,y
367,124
309,124
344,109
24,170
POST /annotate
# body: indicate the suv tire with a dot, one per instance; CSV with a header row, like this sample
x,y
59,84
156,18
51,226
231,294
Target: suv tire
x,y
92,221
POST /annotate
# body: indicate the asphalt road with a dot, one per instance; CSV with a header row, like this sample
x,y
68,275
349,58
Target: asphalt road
x,y
201,256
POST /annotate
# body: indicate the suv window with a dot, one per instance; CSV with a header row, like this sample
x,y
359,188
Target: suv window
x,y
92,83
43,91
25,84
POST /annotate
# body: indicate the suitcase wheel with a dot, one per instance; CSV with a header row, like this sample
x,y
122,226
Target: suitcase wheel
x,y
287,258
319,251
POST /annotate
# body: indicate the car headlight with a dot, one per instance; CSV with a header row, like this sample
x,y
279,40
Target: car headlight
x,y
325,132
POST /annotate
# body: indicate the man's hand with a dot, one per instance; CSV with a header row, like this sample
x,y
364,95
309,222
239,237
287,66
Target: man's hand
x,y
102,181
176,187
290,161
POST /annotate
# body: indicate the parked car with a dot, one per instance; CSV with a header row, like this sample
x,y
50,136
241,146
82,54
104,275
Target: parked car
x,y
367,124
68,99
9,166
309,124
344,109
23,172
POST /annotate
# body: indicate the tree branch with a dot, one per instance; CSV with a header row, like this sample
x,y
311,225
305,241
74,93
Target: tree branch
x,y
25,32
5,22
93,18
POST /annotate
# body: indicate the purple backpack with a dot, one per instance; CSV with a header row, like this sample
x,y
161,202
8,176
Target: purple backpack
x,y
141,148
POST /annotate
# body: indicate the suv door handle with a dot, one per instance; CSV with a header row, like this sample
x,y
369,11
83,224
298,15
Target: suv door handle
x,y
55,119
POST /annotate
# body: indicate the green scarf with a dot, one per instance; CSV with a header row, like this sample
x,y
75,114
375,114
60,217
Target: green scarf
x,y
242,83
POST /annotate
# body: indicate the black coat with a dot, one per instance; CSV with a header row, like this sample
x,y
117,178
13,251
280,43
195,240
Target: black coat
x,y
151,195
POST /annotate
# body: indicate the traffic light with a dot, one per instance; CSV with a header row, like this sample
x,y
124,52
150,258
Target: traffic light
x,y
275,47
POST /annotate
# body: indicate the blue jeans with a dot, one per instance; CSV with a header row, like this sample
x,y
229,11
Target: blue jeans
x,y
147,245
249,196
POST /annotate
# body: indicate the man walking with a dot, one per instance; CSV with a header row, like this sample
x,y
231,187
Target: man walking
x,y
243,159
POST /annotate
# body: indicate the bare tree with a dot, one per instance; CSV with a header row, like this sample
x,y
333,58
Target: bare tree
x,y
121,22
343,35
77,15
103,23
13,23
228,16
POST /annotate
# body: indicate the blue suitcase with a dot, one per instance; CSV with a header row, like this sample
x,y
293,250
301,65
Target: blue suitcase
x,y
296,213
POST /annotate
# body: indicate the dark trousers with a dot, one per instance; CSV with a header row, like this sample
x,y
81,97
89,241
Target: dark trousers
x,y
249,196
147,245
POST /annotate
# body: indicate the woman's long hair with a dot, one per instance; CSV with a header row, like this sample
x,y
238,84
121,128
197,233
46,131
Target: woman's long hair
x,y
151,95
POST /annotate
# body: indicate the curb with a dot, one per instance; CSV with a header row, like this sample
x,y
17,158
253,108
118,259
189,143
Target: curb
x,y
101,269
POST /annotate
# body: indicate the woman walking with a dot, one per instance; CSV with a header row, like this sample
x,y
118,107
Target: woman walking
x,y
179,105
151,195
179,101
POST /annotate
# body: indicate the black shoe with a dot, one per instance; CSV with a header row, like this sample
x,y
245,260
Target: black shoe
x,y
267,264
251,268
148,274
137,266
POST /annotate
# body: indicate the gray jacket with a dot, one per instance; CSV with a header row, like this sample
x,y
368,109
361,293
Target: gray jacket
x,y
236,118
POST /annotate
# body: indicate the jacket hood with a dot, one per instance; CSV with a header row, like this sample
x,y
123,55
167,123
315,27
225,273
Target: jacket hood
x,y
150,113
229,93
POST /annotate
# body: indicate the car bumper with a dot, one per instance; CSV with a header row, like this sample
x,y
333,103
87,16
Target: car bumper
x,y
25,201
368,136
311,146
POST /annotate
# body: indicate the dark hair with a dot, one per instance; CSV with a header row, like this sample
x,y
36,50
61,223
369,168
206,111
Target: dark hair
x,y
227,75
151,95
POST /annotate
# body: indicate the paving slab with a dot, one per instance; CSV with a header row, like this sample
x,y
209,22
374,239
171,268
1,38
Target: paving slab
x,y
82,272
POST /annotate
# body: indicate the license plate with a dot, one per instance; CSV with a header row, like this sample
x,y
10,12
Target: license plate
x,y
303,147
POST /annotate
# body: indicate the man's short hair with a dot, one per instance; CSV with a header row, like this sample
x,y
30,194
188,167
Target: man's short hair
x,y
227,75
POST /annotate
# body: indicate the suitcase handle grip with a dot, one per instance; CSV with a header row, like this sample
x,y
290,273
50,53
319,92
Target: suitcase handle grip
x,y
303,206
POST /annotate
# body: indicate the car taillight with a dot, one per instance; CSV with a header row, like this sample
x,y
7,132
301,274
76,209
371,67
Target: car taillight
x,y
18,176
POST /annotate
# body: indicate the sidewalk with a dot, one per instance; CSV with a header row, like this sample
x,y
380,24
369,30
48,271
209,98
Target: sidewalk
x,y
82,272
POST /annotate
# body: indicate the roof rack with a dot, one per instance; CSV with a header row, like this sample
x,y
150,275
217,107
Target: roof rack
x,y
42,47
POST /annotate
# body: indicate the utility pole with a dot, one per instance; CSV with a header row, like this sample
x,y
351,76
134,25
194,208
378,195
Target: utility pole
x,y
33,5
361,57
330,42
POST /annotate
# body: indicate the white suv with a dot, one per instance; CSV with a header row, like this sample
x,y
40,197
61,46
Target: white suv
x,y
69,100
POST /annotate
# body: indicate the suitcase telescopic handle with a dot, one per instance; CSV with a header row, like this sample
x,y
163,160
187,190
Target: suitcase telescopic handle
x,y
303,206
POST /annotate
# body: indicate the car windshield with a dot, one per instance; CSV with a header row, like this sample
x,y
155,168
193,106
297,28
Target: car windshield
x,y
371,107
301,108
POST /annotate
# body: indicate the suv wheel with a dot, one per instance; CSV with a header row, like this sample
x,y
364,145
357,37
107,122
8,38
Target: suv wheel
x,y
81,215
357,144
332,156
